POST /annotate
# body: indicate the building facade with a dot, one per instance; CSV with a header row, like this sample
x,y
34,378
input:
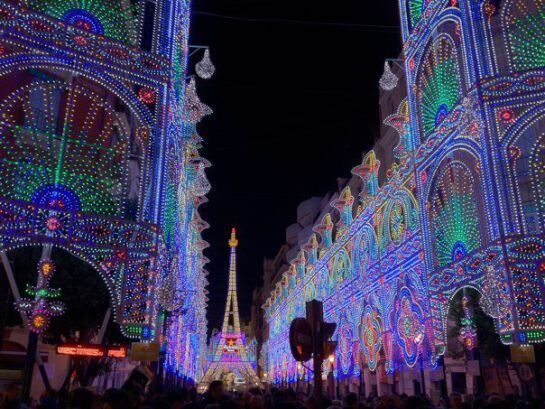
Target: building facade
x,y
99,156
462,206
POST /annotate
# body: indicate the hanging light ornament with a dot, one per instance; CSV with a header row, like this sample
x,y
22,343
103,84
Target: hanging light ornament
x,y
43,305
389,80
205,68
468,331
194,109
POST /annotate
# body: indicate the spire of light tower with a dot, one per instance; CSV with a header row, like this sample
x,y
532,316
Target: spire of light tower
x,y
233,242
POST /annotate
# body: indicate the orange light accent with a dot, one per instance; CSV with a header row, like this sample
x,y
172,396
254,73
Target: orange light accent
x,y
120,352
90,350
39,321
47,268
233,242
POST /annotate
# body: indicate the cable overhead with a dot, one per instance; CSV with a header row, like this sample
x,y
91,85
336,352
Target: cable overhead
x,y
363,27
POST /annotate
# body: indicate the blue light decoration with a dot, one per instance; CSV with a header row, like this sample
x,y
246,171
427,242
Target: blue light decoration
x,y
99,156
462,207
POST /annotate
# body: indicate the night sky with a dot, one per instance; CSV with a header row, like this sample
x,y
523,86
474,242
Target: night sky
x,y
295,100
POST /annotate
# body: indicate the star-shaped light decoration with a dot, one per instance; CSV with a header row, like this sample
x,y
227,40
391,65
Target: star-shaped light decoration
x,y
194,109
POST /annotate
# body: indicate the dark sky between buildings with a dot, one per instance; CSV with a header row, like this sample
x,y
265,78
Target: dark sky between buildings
x,y
295,104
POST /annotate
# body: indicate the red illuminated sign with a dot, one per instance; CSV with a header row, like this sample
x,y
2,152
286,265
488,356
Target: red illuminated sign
x,y
89,350
118,352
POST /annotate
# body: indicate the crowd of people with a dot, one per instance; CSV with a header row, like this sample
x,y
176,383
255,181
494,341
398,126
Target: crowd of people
x,y
144,396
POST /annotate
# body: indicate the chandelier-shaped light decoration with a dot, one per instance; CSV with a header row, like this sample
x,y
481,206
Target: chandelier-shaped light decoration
x,y
205,68
194,109
42,303
389,80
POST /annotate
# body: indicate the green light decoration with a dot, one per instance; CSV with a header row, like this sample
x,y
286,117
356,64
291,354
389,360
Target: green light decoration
x,y
398,222
111,18
440,85
169,215
526,35
454,215
50,149
42,292
416,7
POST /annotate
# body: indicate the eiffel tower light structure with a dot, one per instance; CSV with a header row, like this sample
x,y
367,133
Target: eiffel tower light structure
x,y
230,355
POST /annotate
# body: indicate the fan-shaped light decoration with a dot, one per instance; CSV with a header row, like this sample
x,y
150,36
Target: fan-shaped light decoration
x,y
389,80
111,18
86,169
440,84
194,109
205,68
455,214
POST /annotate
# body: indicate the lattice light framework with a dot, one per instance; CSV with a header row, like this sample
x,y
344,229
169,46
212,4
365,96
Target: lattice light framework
x,y
185,192
398,313
61,139
472,164
94,143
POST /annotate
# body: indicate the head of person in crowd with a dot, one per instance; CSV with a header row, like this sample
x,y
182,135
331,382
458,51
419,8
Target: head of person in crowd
x,y
215,391
455,400
115,399
351,401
